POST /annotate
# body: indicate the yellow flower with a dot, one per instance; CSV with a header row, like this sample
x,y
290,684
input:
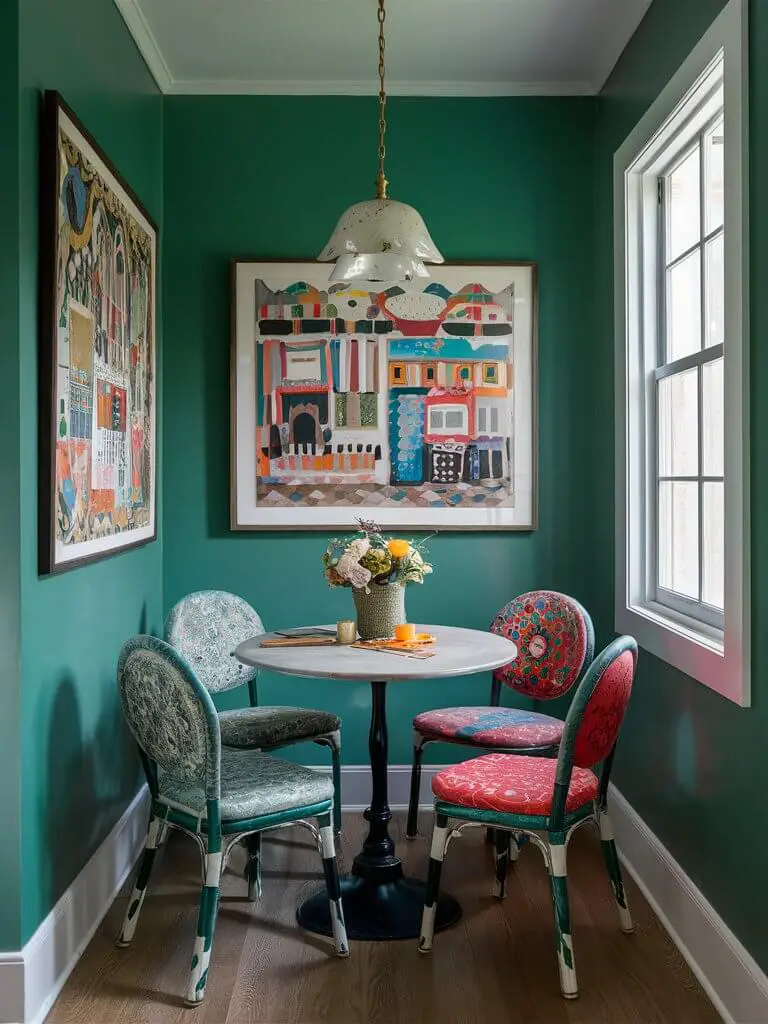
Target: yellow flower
x,y
398,548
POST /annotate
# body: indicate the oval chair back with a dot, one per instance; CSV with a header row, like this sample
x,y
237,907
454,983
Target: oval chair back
x,y
594,719
170,714
555,641
205,627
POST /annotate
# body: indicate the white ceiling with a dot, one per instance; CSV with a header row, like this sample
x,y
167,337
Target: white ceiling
x,y
434,47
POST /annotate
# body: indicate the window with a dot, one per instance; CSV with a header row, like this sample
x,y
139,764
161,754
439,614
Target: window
x,y
490,373
689,537
447,419
428,375
396,374
682,420
463,373
488,419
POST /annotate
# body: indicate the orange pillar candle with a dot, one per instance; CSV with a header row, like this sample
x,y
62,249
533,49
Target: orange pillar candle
x,y
405,631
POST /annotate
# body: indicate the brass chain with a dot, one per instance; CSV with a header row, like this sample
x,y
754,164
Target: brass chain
x,y
381,181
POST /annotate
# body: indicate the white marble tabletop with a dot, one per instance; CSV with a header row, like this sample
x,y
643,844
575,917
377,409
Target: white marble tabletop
x,y
459,652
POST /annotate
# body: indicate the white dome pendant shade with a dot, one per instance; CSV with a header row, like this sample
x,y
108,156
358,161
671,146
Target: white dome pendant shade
x,y
380,239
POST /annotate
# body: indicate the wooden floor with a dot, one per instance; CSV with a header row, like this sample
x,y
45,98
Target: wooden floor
x,y
496,965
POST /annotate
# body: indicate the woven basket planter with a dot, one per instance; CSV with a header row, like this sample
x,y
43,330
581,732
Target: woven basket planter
x,y
379,611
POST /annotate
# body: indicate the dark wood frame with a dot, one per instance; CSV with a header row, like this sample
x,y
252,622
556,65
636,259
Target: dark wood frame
x,y
51,107
324,527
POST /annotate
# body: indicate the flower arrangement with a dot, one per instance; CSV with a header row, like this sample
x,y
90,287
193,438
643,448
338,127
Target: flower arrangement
x,y
368,557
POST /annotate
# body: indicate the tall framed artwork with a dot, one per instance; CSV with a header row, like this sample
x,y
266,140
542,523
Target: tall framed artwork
x,y
97,352
413,405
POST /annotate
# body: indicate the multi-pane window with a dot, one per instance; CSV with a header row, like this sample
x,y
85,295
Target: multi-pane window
x,y
447,419
681,258
688,541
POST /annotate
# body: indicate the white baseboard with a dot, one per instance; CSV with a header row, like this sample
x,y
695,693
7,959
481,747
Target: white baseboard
x,y
356,785
33,977
12,987
728,974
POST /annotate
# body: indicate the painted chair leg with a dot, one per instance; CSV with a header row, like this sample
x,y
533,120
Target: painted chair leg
x,y
333,886
336,761
412,826
608,844
503,842
253,867
436,857
559,881
515,842
333,740
136,900
206,925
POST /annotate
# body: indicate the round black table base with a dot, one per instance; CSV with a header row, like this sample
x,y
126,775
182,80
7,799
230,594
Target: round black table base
x,y
375,912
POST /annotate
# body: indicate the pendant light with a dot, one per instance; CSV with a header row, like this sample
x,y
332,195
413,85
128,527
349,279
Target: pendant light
x,y
380,239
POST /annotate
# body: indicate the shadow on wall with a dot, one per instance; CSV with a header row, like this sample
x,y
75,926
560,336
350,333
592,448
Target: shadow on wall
x,y
89,780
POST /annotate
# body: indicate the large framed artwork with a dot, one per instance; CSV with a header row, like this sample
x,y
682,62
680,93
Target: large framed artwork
x,y
413,405
98,251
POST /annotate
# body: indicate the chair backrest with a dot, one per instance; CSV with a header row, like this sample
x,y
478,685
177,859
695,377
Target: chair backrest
x,y
555,642
170,713
594,718
206,627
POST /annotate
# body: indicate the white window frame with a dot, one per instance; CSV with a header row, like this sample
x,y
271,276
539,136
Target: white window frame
x,y
488,414
719,658
448,431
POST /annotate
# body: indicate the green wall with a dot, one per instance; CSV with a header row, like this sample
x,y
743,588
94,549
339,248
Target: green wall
x,y
268,176
10,583
689,760
79,768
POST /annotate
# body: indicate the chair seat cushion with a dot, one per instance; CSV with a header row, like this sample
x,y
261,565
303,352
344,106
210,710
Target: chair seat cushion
x,y
511,784
272,727
491,727
253,784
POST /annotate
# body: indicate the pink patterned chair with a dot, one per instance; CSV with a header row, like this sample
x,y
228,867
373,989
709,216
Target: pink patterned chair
x,y
555,643
543,799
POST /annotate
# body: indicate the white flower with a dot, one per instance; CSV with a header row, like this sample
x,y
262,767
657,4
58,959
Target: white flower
x,y
357,548
349,568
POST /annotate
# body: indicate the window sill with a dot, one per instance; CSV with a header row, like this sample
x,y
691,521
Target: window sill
x,y
695,649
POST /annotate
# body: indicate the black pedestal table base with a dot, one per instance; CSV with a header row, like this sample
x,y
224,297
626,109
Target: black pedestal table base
x,y
379,902
377,911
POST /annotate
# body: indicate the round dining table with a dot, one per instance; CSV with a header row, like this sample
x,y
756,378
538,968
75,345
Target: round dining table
x,y
379,901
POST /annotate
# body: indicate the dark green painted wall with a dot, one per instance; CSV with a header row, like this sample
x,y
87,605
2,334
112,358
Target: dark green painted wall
x,y
10,582
690,762
79,768
247,176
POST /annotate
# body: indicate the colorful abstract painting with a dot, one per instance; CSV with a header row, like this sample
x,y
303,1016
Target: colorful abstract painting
x,y
97,352
410,403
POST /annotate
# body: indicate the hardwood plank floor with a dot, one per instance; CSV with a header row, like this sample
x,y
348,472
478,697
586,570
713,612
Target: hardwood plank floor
x,y
497,964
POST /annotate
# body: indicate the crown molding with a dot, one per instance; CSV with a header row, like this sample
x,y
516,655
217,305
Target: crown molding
x,y
146,43
192,87
166,83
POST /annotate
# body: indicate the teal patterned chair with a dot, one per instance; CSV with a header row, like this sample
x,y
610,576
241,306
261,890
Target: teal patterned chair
x,y
544,799
215,794
206,627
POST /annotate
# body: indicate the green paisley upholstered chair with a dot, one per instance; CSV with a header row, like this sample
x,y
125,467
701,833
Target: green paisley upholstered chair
x,y
218,795
206,627
544,799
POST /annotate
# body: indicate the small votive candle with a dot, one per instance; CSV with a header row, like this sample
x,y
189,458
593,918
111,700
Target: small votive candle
x,y
405,631
346,631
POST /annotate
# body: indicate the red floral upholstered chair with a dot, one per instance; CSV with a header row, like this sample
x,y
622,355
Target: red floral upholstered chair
x,y
555,643
544,799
